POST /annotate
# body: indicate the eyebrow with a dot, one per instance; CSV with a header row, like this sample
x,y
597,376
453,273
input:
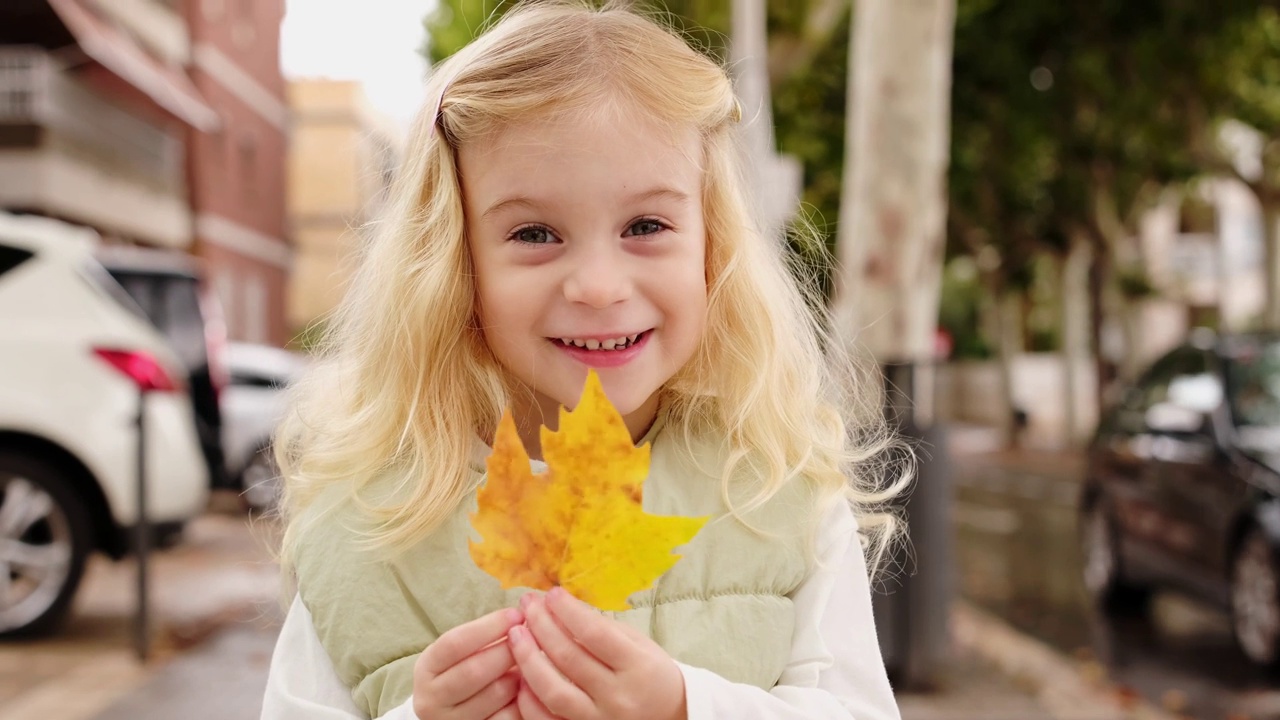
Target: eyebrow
x,y
656,193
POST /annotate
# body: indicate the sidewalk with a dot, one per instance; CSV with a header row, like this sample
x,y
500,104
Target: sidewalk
x,y
220,579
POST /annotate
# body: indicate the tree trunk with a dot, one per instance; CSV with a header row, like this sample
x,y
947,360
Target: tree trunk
x,y
893,201
1271,261
1075,332
1105,365
1129,310
1009,343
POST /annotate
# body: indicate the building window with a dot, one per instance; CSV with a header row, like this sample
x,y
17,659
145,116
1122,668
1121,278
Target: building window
x,y
214,9
225,287
245,30
248,179
255,309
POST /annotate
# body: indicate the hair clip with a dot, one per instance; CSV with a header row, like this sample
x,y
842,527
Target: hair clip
x,y
439,103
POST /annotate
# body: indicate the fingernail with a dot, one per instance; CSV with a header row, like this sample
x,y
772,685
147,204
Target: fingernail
x,y
516,635
525,599
515,617
558,593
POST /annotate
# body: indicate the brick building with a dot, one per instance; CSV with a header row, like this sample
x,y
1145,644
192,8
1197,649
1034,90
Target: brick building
x,y
342,154
237,172
94,111
159,123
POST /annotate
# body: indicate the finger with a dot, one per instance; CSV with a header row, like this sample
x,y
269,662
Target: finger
x,y
491,699
472,676
510,712
601,636
455,645
553,690
573,660
531,708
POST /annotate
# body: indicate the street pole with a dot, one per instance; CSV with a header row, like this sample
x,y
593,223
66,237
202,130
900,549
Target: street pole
x,y
142,537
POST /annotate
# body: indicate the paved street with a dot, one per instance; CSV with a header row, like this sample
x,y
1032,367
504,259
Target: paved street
x,y
220,577
1018,557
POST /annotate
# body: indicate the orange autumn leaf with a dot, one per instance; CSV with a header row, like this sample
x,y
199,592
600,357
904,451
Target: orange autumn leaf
x,y
580,524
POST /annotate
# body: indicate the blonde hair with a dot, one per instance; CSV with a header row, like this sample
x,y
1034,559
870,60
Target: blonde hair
x,y
404,378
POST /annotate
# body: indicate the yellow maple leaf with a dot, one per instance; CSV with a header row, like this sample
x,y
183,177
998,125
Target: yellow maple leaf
x,y
580,524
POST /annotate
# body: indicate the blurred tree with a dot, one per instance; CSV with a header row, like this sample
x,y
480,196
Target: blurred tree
x,y
1246,77
454,23
1070,121
893,194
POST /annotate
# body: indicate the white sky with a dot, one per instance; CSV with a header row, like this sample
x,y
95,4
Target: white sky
x,y
373,41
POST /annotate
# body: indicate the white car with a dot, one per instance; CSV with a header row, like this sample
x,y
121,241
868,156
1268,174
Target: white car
x,y
77,357
253,403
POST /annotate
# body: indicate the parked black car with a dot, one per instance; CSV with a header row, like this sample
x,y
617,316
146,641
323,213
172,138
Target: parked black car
x,y
1183,487
169,287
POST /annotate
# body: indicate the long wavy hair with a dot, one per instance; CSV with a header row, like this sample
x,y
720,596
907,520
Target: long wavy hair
x,y
404,383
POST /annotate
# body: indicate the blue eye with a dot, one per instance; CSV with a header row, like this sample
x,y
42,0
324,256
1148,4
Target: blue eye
x,y
646,227
533,235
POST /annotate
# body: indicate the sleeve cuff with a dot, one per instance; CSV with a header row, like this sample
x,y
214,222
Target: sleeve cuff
x,y
698,691
403,711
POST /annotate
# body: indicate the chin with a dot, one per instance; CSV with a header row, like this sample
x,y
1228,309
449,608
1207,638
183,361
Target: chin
x,y
626,397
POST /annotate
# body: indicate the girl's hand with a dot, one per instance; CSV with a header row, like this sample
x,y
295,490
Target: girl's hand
x,y
469,672
579,665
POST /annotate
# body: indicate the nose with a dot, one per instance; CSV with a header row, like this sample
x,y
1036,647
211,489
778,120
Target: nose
x,y
599,277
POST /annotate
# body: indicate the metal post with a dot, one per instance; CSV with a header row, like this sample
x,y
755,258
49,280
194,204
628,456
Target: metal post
x,y
142,537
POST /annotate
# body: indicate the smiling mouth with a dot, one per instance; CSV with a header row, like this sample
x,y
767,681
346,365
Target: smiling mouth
x,y
612,344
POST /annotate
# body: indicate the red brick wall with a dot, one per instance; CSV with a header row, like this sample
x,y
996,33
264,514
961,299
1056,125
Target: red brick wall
x,y
259,54
238,172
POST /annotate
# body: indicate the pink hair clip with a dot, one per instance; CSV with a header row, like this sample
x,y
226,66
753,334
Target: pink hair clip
x,y
435,111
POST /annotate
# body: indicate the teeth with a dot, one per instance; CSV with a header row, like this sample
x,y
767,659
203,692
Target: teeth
x,y
611,344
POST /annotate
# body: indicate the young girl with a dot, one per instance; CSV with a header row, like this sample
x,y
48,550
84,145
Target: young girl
x,y
570,200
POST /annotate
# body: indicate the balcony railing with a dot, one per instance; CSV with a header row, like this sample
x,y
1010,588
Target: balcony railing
x,y
34,92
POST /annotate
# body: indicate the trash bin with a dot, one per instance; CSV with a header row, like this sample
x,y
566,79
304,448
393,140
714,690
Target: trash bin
x,y
911,602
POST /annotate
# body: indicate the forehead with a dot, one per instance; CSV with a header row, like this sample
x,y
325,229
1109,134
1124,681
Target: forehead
x,y
584,154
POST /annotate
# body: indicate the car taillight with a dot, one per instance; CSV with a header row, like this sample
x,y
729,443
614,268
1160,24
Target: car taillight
x,y
141,367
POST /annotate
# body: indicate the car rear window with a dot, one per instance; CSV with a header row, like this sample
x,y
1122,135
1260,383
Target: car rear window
x,y
11,257
101,282
172,302
1253,383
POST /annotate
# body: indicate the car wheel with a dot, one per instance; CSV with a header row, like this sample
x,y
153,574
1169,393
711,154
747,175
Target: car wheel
x,y
45,538
260,482
1103,575
1255,599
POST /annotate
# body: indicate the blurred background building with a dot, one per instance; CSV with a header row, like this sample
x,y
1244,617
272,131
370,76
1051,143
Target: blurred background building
x,y
341,158
237,172
159,123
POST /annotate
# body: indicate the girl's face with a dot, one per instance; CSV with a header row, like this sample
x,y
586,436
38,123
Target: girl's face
x,y
588,243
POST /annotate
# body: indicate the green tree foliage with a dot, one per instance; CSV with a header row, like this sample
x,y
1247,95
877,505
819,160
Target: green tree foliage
x,y
1073,118
455,23
809,106
1247,79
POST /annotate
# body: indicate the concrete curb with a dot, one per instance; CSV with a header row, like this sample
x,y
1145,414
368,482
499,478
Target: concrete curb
x,y
1060,684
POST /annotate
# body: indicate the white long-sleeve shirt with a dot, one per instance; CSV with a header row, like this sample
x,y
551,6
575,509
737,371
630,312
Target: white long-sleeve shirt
x,y
835,671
